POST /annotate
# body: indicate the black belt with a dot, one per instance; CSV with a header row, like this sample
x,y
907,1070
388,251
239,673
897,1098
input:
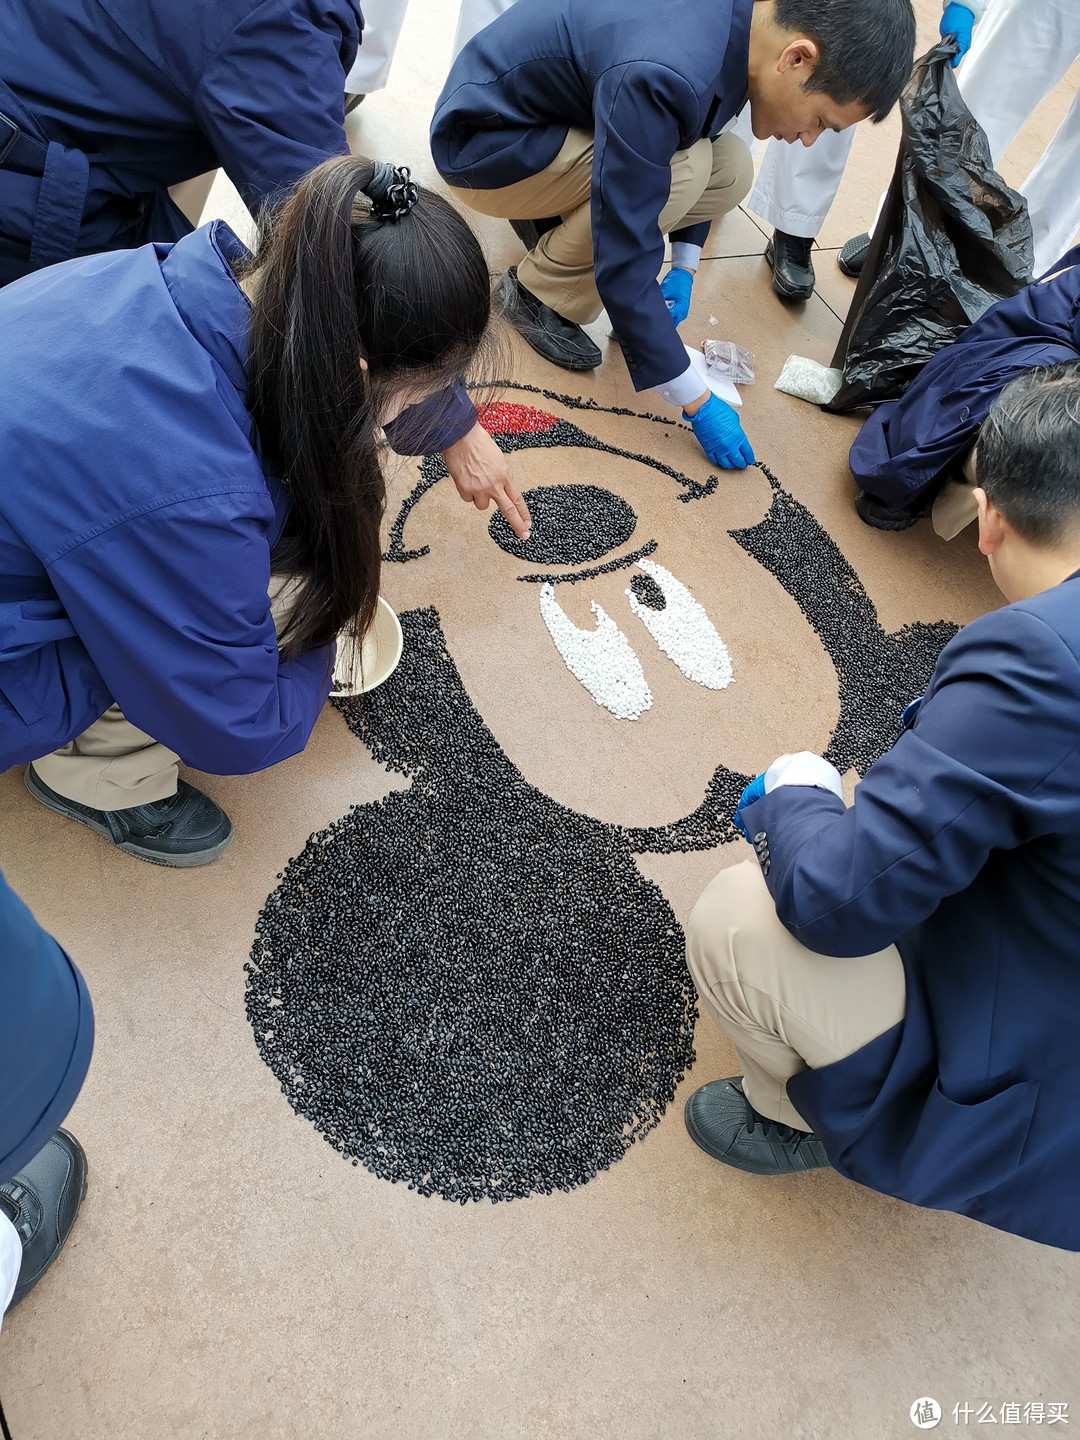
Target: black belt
x,y
19,151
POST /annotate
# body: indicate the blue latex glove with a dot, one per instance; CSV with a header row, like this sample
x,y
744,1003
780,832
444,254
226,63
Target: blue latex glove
x,y
754,791
676,287
959,21
720,435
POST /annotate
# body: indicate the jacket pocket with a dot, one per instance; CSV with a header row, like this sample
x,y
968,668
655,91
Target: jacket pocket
x,y
19,696
961,1150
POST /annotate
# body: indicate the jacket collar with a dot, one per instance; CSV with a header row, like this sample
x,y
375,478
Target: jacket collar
x,y
208,297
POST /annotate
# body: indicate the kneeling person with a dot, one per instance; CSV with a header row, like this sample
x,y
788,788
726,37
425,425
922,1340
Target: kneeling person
x,y
899,978
606,121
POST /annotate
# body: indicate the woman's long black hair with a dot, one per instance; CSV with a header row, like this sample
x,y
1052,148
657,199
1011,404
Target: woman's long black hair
x,y
334,285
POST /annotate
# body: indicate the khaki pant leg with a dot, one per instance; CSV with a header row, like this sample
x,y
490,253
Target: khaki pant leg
x,y
783,1007
111,766
114,765
727,184
559,271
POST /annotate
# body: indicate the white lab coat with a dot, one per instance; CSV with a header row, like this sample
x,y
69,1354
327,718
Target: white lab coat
x,y
383,20
1020,52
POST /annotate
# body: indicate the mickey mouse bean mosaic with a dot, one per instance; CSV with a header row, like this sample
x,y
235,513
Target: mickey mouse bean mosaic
x,y
468,986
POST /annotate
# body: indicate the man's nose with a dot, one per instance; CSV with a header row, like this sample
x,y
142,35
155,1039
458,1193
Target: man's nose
x,y
808,136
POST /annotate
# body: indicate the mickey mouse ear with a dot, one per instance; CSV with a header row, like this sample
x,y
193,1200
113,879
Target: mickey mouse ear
x,y
392,191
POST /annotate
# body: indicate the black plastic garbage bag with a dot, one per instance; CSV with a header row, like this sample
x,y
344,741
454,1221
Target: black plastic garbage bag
x,y
952,239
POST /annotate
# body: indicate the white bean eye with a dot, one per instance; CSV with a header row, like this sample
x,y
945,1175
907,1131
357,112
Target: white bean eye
x,y
683,630
602,659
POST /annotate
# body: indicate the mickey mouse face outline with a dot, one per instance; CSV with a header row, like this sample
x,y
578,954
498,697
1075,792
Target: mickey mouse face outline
x,y
469,987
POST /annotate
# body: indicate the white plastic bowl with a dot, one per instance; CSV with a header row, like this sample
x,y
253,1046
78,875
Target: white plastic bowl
x,y
379,654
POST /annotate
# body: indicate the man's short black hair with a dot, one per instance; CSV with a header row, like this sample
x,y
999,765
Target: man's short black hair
x,y
1028,456
865,48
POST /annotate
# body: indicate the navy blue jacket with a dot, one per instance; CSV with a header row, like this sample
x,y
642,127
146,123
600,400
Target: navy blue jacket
x,y
137,516
908,444
647,81
962,848
46,1034
133,96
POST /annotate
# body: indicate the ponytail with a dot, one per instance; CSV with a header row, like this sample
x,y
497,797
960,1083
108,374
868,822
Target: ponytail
x,y
406,290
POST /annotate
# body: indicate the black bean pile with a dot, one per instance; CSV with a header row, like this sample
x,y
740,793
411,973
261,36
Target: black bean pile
x,y
878,673
570,524
572,577
648,592
467,987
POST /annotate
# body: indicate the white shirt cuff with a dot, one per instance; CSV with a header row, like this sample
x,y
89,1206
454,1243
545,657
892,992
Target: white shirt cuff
x,y
805,768
683,389
685,254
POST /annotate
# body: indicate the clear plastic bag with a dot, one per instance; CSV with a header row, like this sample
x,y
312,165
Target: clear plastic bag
x,y
730,361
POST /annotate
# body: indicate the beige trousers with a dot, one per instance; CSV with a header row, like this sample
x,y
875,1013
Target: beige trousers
x,y
783,1007
114,765
707,181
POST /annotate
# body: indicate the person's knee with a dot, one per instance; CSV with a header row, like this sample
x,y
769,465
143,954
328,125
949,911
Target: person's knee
x,y
732,170
734,904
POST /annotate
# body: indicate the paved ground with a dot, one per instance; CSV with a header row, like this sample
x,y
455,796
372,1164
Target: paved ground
x,y
233,1277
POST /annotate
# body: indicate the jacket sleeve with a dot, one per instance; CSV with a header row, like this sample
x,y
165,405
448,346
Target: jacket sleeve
x,y
172,607
433,425
272,99
637,132
985,766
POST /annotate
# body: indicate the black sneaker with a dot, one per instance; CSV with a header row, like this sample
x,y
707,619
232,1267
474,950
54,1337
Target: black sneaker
x,y
852,255
792,268
42,1202
723,1122
558,340
183,830
876,513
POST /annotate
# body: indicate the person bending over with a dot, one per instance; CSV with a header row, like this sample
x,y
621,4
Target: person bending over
x,y
610,119
105,104
910,449
190,441
900,978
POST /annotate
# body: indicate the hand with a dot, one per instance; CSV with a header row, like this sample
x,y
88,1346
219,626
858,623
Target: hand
x,y
754,791
720,435
676,287
479,470
957,20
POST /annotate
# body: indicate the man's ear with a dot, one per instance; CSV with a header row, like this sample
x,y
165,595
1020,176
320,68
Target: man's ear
x,y
992,523
799,54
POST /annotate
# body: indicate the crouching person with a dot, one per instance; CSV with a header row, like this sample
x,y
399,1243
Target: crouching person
x,y
900,977
192,488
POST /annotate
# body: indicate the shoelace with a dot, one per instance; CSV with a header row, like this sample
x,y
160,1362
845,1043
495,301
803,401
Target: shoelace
x,y
773,1130
800,249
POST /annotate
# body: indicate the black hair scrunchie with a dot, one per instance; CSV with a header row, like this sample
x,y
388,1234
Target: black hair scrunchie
x,y
392,191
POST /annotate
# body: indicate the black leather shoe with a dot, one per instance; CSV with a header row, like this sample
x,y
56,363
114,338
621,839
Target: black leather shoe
x,y
42,1202
558,340
792,269
184,830
852,255
723,1122
876,513
529,231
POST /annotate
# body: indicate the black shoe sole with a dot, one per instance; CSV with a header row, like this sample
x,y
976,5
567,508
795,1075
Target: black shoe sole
x,y
152,857
536,336
904,519
785,291
80,1159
